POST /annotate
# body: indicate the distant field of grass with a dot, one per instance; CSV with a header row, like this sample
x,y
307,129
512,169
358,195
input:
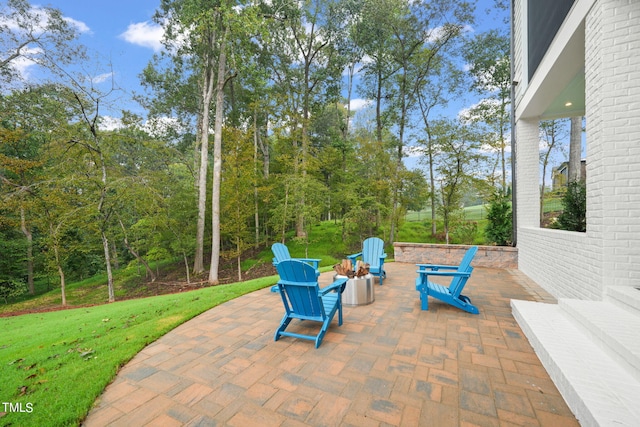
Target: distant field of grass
x,y
470,213
553,204
479,212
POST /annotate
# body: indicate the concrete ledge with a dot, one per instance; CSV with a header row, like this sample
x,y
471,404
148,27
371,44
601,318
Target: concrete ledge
x,y
427,253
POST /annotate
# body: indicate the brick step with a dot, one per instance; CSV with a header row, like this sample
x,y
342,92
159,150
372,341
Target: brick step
x,y
627,297
599,390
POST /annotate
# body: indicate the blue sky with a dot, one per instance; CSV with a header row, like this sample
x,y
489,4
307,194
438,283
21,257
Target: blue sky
x,y
119,35
122,38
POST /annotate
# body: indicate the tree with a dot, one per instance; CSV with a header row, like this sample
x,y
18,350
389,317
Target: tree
x,y
237,194
489,64
407,43
306,69
35,35
11,263
202,34
459,154
368,192
414,191
373,36
436,83
19,165
90,141
574,213
499,228
552,132
39,36
575,149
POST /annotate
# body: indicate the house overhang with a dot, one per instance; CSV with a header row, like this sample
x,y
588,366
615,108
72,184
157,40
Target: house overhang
x,y
557,87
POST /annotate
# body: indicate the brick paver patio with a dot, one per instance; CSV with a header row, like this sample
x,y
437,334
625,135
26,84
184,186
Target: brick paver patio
x,y
389,364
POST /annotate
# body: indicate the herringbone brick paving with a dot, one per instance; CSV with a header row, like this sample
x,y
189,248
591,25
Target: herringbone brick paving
x,y
389,364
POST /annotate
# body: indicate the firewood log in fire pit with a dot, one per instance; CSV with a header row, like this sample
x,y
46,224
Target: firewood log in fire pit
x,y
346,268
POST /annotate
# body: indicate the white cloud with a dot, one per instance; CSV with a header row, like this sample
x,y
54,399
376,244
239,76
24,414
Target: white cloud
x,y
102,78
80,26
162,125
359,103
24,63
145,34
109,123
413,151
36,27
42,20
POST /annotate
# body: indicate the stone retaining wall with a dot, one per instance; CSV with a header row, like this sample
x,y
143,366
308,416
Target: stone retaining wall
x,y
426,253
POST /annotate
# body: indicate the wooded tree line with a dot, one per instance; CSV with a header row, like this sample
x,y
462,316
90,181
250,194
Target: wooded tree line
x,y
250,132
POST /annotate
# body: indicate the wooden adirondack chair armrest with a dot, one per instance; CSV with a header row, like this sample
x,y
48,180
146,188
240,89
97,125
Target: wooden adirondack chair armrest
x,y
354,256
383,256
337,286
444,273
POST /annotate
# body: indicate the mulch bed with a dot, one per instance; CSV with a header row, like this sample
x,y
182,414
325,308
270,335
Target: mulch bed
x,y
170,283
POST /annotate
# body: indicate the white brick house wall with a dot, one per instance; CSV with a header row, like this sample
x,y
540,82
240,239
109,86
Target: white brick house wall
x,y
519,51
581,265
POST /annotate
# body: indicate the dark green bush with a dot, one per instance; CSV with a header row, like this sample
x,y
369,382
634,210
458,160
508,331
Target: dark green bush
x,y
464,232
499,228
574,202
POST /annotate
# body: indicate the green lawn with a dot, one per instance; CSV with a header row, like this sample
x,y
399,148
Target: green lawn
x,y
54,365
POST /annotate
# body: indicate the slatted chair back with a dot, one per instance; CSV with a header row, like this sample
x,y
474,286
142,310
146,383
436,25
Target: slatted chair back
x,y
303,299
458,283
300,290
372,250
280,252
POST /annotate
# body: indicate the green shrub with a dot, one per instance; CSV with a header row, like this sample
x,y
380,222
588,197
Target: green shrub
x,y
12,288
499,228
574,214
464,232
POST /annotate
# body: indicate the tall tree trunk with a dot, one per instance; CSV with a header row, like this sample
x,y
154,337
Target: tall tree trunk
x,y
53,232
264,148
107,258
575,148
542,188
545,163
27,233
217,163
352,66
301,219
432,182
502,147
186,266
63,291
239,259
379,107
103,233
284,213
114,259
256,213
207,95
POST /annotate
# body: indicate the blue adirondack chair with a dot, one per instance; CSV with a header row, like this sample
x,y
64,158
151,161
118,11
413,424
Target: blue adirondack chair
x,y
372,254
304,299
451,294
281,253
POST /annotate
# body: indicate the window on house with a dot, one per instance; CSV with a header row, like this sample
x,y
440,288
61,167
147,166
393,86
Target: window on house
x,y
563,174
